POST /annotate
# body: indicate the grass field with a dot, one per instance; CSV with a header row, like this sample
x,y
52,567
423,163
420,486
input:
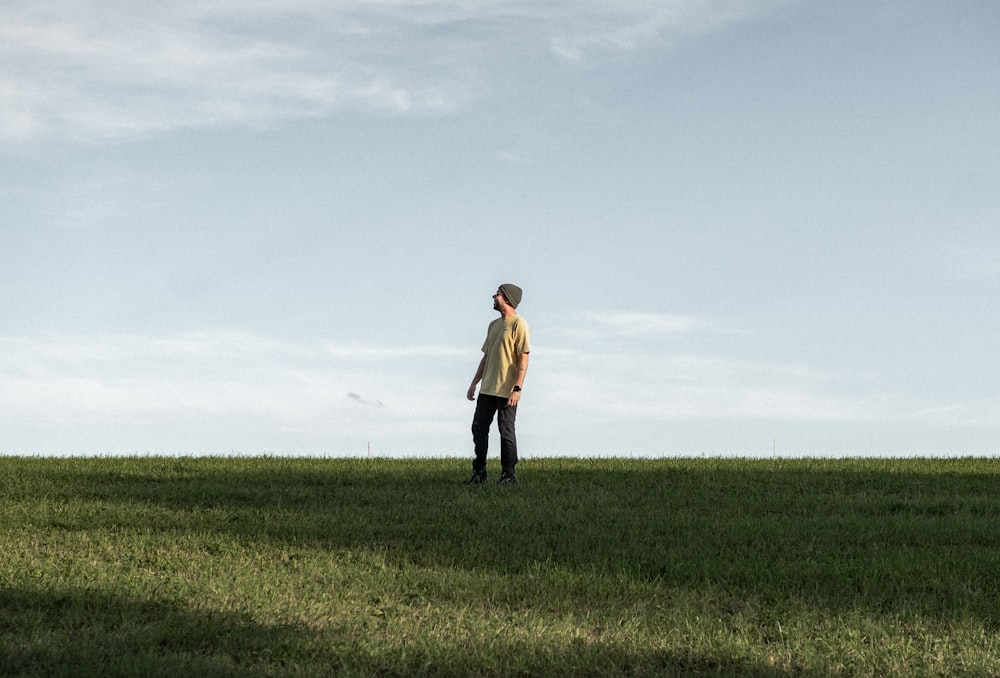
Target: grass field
x,y
277,566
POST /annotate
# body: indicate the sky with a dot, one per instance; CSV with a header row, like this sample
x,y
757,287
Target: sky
x,y
742,227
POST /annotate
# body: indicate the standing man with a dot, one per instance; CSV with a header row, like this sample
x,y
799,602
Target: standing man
x,y
502,370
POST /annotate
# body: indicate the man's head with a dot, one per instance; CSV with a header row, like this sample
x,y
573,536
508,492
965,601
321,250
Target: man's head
x,y
511,294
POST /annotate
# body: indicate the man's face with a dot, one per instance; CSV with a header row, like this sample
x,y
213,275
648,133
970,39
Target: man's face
x,y
498,299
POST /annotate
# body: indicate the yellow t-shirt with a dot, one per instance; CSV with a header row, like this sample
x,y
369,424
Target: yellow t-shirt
x,y
506,339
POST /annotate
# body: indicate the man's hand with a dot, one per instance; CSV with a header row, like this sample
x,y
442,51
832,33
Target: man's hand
x,y
471,395
522,369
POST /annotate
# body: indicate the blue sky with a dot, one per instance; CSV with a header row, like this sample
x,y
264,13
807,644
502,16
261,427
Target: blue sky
x,y
741,227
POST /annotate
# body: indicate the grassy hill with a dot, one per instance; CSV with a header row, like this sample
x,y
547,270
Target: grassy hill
x,y
278,566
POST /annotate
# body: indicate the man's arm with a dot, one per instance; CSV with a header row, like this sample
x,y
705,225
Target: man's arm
x,y
522,371
471,395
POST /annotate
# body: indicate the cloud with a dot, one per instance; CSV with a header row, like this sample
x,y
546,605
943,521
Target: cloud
x,y
209,386
211,392
513,157
588,326
125,70
600,27
658,385
968,261
90,70
657,366
364,401
617,367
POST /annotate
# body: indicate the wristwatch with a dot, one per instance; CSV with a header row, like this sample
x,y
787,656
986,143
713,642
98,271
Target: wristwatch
x,y
517,388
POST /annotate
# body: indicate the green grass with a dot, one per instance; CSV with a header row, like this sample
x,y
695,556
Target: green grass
x,y
275,566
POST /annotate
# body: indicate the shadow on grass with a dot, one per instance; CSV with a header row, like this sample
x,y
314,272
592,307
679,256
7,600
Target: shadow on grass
x,y
96,633
92,632
905,539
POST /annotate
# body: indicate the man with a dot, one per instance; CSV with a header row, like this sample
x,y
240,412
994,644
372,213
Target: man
x,y
502,371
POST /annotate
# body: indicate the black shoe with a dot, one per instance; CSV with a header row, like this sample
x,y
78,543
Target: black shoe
x,y
507,479
478,477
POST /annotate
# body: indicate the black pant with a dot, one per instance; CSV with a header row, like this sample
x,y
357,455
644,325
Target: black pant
x,y
486,407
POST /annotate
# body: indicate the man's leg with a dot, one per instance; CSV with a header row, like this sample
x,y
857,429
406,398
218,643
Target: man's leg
x,y
486,407
508,438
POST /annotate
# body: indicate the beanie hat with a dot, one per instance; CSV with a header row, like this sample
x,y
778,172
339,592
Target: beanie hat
x,y
512,293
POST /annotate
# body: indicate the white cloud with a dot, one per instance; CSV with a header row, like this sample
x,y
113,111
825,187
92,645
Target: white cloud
x,y
114,70
633,386
628,323
969,261
601,26
513,157
211,392
649,367
209,386
587,326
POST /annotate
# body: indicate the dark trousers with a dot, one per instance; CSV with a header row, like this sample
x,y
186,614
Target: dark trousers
x,y
486,407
